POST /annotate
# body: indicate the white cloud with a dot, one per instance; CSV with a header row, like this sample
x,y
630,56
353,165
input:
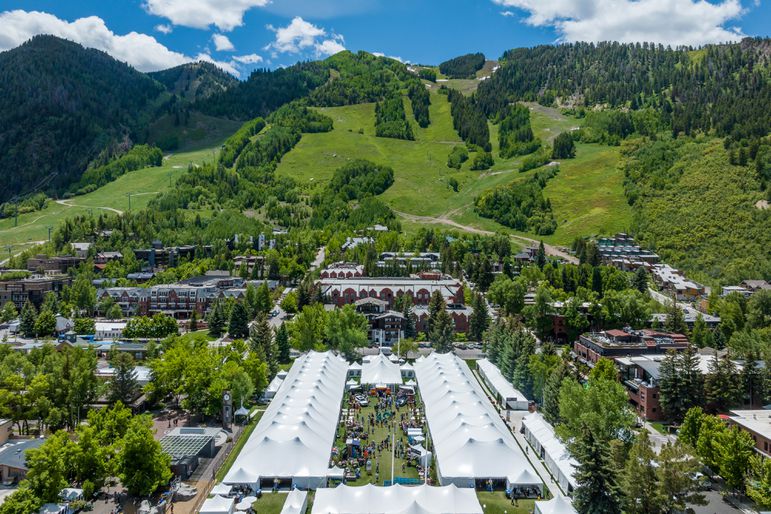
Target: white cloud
x,y
301,35
201,14
141,51
229,67
164,28
507,13
222,43
673,22
248,59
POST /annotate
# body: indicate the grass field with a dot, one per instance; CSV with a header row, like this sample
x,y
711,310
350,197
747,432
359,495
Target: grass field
x,y
587,196
143,185
383,458
497,503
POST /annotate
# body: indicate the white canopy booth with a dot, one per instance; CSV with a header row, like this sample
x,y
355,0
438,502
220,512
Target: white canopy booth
x,y
380,370
557,505
396,499
296,502
218,505
471,442
292,442
221,490
540,434
505,394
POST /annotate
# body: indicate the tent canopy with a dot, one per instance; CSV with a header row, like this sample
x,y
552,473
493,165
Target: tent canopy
x,y
557,505
470,439
380,370
295,502
221,490
218,505
294,436
396,499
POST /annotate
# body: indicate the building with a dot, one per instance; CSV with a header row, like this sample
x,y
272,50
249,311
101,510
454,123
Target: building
x,y
623,343
353,242
176,300
386,326
109,329
53,265
757,423
81,249
505,394
622,252
640,376
159,256
105,257
756,285
690,315
187,445
341,291
32,289
6,429
460,314
343,270
13,459
410,261
675,283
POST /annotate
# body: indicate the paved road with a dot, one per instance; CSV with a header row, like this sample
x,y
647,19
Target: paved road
x,y
319,260
445,220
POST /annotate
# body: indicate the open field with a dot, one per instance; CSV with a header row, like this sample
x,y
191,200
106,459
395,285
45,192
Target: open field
x,y
143,185
468,86
587,196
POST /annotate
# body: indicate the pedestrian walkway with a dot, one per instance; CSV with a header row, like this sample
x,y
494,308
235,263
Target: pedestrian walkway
x,y
514,423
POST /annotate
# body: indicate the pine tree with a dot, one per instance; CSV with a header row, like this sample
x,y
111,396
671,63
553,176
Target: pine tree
x,y
480,318
238,326
262,339
639,480
597,281
692,379
597,491
124,385
551,394
9,312
640,280
670,387
282,344
540,256
442,332
753,381
435,305
193,322
217,319
699,332
264,301
409,318
675,320
45,324
27,320
722,385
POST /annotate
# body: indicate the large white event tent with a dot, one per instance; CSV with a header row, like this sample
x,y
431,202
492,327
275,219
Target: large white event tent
x,y
540,434
380,370
471,441
218,505
396,499
505,394
294,438
557,505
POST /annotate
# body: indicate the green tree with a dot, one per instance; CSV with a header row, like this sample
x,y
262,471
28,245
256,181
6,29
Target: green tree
x,y
604,369
217,319
346,331
27,319
142,466
289,303
508,294
689,430
123,386
602,407
564,147
45,324
759,309
639,479
707,446
114,312
307,328
735,448
22,501
722,385
540,314
442,332
261,340
681,384
677,479
282,344
675,321
640,280
758,483
238,326
9,312
264,300
435,305
85,326
480,318
48,466
597,491
82,294
551,394
540,255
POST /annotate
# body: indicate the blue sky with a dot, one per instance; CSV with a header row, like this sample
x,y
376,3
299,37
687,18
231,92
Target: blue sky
x,y
240,35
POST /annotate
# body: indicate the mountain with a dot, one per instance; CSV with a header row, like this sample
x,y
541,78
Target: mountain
x,y
195,81
61,106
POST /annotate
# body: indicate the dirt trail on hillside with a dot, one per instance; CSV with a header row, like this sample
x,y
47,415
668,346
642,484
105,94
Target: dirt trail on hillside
x,y
445,220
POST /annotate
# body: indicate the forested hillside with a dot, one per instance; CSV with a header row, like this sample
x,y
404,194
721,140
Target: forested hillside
x,y
195,81
463,67
61,105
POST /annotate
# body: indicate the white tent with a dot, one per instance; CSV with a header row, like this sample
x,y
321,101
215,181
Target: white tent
x,y
294,437
221,490
505,394
548,447
424,456
218,505
470,440
273,387
396,499
336,473
557,505
296,502
380,370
